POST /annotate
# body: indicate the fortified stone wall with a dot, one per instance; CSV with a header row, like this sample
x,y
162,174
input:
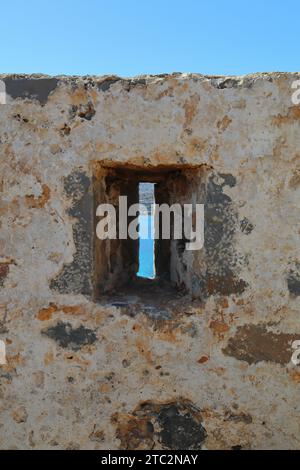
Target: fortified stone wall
x,y
211,370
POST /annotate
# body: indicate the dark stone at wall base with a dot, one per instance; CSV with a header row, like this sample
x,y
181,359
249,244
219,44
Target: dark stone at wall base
x,y
179,431
173,425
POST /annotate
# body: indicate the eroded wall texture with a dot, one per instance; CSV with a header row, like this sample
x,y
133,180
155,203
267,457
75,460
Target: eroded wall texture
x,y
212,370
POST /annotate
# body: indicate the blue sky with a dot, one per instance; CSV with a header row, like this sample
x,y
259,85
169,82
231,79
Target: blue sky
x,y
134,37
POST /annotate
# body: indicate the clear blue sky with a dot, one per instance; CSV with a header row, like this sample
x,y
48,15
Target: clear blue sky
x,y
134,37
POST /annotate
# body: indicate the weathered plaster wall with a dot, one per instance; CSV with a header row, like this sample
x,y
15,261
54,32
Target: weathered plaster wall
x,y
82,374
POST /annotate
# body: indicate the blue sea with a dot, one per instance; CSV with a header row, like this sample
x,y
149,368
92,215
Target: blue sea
x,y
146,247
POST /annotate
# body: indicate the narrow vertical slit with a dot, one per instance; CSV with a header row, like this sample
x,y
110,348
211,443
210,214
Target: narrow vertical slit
x,y
146,232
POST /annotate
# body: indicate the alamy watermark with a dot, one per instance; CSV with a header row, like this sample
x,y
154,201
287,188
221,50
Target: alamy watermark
x,y
296,354
296,94
296,344
2,92
2,353
187,222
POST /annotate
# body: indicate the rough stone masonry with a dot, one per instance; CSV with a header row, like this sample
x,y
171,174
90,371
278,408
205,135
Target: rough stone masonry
x,y
208,367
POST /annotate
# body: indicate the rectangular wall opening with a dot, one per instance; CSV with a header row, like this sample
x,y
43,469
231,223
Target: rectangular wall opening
x,y
148,262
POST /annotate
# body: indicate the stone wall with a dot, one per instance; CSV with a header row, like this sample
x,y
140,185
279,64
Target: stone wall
x,y
215,372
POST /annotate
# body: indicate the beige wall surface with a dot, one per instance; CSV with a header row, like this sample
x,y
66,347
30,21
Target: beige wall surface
x,y
214,373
